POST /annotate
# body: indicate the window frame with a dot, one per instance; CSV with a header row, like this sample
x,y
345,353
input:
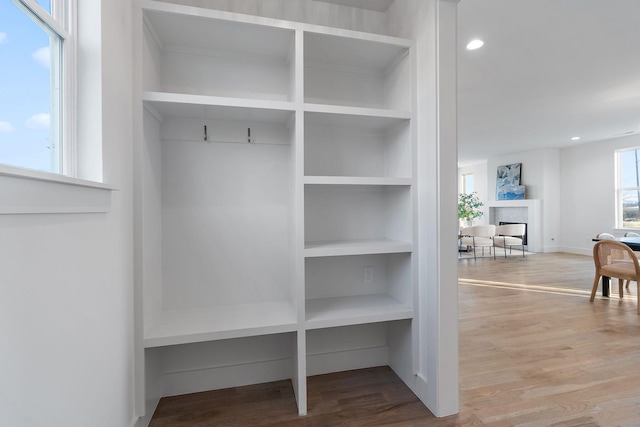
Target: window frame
x,y
63,22
30,191
464,188
619,189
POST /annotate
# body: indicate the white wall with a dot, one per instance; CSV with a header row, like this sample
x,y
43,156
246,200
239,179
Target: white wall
x,y
536,166
587,206
541,176
66,287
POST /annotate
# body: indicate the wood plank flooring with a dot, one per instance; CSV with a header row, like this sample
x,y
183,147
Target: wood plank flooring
x,y
533,352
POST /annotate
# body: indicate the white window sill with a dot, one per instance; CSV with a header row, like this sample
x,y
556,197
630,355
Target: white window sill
x,y
24,191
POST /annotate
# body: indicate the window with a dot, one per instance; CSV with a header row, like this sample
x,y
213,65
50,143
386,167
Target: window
x,y
36,93
628,188
467,183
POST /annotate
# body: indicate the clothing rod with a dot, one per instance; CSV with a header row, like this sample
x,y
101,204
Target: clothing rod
x,y
178,140
249,140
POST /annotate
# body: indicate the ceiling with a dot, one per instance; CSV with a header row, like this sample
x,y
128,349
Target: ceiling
x,y
549,70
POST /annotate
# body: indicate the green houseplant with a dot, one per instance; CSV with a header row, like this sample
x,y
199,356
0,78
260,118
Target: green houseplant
x,y
469,205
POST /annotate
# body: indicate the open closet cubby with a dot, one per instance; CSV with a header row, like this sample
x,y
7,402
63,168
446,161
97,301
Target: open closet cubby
x,y
354,220
193,367
357,72
221,214
193,53
349,290
357,149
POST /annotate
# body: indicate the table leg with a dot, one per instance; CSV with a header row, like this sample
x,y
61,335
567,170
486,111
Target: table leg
x,y
605,286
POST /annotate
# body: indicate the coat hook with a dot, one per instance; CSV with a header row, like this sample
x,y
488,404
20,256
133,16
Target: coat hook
x,y
249,135
205,133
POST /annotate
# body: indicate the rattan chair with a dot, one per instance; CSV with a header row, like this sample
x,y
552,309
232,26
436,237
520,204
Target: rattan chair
x,y
608,236
615,259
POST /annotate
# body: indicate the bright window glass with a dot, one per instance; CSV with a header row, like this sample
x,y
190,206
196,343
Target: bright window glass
x,y
467,183
45,4
628,188
30,87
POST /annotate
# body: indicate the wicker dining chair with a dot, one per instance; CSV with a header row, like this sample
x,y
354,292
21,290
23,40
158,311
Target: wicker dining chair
x,y
615,259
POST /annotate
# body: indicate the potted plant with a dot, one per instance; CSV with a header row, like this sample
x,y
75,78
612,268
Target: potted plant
x,y
469,205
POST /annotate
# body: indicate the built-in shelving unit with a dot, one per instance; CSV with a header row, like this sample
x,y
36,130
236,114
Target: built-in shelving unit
x,y
277,188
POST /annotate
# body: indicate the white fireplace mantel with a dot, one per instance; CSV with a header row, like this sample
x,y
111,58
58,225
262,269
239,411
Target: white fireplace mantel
x,y
534,219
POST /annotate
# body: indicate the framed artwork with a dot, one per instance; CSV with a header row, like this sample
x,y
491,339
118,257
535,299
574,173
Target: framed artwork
x,y
508,182
510,192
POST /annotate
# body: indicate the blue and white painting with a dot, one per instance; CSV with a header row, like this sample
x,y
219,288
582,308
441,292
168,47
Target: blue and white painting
x,y
507,181
510,192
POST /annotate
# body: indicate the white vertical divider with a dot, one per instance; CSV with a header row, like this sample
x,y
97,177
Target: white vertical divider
x,y
300,352
138,323
439,291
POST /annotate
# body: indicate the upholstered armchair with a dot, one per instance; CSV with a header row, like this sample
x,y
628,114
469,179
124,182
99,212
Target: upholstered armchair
x,y
478,236
509,235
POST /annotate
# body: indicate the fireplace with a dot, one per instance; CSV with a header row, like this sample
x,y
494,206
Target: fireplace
x,y
524,238
524,211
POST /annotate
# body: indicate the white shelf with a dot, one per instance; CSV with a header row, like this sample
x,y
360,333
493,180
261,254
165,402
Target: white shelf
x,y
207,30
217,107
355,247
372,54
358,116
356,180
353,310
216,323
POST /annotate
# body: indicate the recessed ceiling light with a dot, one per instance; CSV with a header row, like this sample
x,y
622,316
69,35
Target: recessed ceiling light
x,y
475,44
575,138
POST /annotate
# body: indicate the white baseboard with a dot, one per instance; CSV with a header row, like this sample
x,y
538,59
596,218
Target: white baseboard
x,y
577,251
346,360
144,421
215,378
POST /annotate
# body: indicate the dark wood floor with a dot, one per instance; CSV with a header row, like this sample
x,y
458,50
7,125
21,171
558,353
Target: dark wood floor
x,y
365,397
533,352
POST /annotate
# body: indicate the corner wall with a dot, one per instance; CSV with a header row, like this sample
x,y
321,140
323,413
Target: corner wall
x,y
66,288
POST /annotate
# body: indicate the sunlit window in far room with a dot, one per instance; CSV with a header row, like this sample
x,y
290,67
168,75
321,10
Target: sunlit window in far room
x,y
628,188
467,183
34,44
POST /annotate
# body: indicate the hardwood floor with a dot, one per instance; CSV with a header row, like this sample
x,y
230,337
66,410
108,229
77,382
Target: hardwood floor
x,y
541,354
533,352
365,397
561,270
